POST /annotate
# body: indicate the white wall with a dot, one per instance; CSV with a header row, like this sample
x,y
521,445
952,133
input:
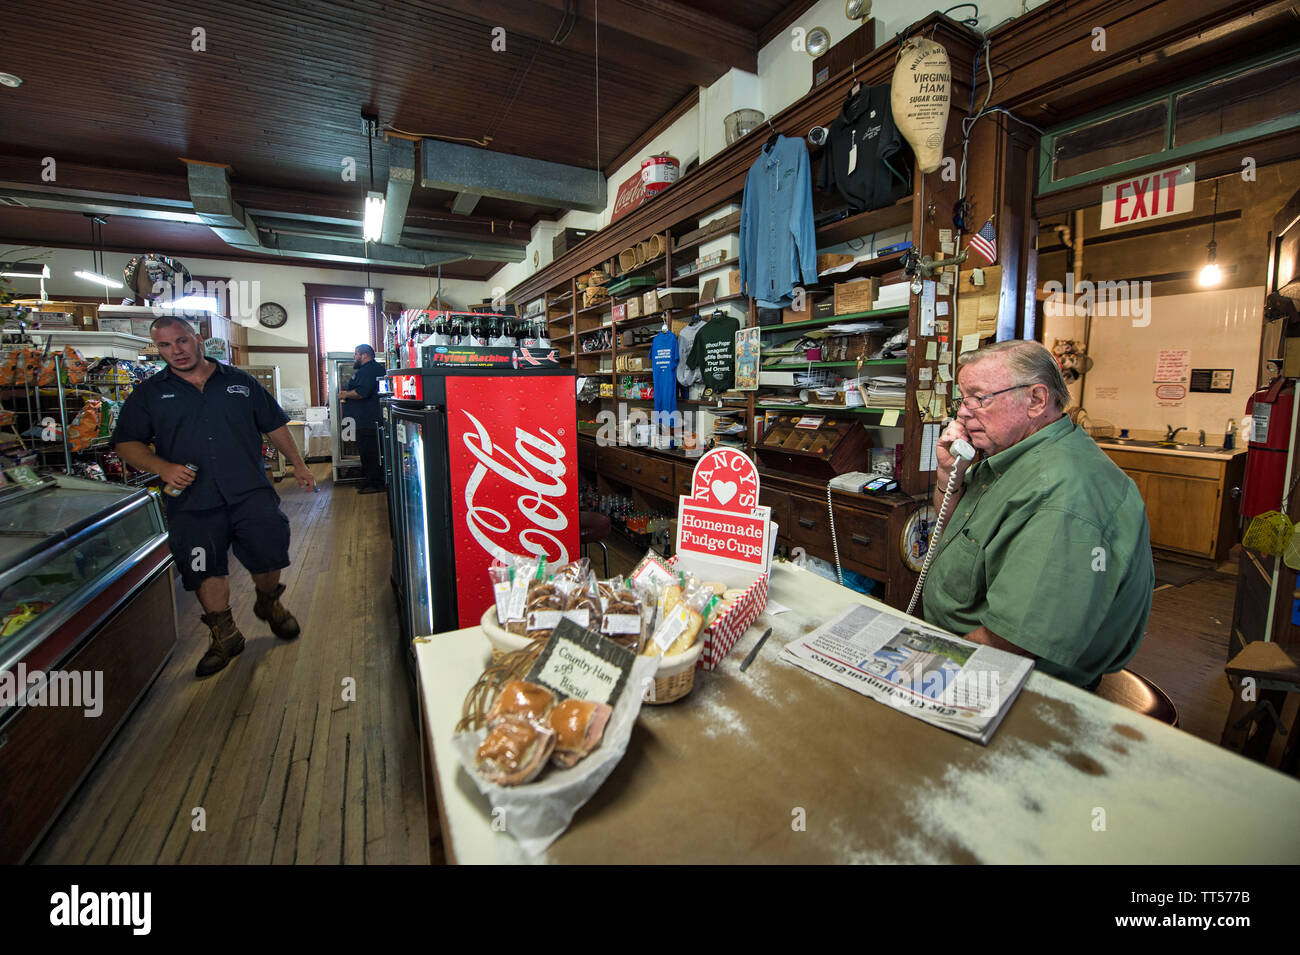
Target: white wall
x,y
276,282
1222,330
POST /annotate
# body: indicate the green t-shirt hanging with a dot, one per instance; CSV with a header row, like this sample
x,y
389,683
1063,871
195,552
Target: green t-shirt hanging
x,y
714,352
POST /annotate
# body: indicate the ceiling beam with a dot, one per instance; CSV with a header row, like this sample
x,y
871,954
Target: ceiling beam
x,y
689,33
538,23
464,203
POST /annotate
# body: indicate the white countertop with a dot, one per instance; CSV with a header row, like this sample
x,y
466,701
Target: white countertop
x,y
1069,777
1211,453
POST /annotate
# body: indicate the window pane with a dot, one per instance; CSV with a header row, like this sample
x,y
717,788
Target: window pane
x,y
1238,102
1139,132
343,327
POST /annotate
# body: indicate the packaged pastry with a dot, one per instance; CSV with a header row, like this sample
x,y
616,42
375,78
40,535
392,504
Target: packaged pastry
x,y
581,601
679,628
544,610
578,726
623,614
520,700
514,752
524,570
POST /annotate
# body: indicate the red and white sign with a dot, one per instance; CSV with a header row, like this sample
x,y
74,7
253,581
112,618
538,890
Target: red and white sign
x,y
722,519
1171,392
1154,195
513,449
1173,366
408,387
723,533
630,195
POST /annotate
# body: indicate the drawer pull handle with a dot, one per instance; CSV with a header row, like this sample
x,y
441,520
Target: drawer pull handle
x,y
861,541
664,478
637,470
623,465
805,523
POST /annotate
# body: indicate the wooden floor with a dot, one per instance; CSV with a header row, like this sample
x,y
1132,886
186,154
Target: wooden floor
x,y
284,769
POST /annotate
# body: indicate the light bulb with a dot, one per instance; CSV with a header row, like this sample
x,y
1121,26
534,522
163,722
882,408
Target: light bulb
x,y
1211,275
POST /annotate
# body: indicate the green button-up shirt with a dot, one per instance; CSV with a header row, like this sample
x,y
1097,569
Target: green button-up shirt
x,y
1049,548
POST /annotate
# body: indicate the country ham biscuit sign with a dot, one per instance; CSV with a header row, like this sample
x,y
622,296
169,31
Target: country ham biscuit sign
x,y
722,519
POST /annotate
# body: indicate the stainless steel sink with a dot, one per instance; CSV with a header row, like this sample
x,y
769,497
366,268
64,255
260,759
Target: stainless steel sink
x,y
1200,449
1136,443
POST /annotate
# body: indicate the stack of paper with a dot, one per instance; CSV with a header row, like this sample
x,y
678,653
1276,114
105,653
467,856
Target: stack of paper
x,y
887,391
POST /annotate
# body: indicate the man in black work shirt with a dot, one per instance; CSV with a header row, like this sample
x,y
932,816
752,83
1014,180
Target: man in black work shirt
x,y
201,412
360,397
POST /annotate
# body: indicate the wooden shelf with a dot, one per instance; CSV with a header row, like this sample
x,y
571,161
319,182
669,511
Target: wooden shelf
x,y
712,302
602,307
886,263
830,410
559,299
682,247
592,354
864,223
897,311
867,363
559,318
708,268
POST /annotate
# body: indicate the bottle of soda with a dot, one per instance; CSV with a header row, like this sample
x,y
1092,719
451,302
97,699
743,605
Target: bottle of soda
x,y
172,490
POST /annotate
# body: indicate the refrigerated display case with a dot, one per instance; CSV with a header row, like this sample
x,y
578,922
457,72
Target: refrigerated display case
x,y
346,453
89,620
483,465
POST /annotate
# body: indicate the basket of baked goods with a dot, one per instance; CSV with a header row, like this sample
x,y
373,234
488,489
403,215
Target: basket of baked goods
x,y
657,613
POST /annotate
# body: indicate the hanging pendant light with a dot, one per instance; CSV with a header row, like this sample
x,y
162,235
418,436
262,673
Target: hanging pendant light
x,y
96,273
1211,275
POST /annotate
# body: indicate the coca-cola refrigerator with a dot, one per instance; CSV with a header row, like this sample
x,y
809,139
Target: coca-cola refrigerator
x,y
484,465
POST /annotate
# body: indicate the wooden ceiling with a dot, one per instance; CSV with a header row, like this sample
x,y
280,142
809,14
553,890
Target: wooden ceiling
x,y
278,88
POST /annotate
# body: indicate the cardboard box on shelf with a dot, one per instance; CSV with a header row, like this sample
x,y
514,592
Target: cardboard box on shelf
x,y
857,296
633,306
619,312
804,314
733,283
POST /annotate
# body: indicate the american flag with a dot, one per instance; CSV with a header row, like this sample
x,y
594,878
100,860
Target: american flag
x,y
985,242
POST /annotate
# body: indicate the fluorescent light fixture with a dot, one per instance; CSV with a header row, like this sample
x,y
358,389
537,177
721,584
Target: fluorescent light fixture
x,y
96,277
25,270
374,227
192,303
370,296
11,81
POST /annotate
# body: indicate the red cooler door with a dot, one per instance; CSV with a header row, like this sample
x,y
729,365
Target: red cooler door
x,y
513,449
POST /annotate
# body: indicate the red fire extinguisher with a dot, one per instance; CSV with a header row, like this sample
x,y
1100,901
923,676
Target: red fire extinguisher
x,y
1270,438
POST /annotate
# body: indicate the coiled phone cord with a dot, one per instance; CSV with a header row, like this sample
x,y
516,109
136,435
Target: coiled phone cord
x,y
965,454
835,543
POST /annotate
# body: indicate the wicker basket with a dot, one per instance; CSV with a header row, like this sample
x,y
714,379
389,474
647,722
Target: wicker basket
x,y
640,254
627,260
597,277
594,295
654,247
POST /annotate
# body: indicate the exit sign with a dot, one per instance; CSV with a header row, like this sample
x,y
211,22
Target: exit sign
x,y
1154,195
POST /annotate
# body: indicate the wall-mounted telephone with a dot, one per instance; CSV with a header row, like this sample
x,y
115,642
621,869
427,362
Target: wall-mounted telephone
x,y
964,454
853,481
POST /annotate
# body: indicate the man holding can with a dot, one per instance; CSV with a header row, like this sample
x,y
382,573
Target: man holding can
x,y
205,421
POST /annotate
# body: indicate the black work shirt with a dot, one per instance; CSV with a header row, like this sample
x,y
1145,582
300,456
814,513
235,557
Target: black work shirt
x,y
365,382
882,164
219,429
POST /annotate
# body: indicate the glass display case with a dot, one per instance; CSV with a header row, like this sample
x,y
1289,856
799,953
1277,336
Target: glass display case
x,y
87,621
62,543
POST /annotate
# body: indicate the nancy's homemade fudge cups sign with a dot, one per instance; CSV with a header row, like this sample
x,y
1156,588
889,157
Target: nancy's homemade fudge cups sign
x,y
722,519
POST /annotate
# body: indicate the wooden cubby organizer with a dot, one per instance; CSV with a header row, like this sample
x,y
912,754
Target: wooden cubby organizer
x,y
869,528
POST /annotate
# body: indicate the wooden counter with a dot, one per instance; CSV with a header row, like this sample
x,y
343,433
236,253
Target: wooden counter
x,y
722,775
869,528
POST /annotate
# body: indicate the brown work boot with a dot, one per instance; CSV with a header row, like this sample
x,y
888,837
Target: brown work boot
x,y
227,642
269,608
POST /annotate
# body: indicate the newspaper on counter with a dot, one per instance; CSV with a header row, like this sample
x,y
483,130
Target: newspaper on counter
x,y
944,680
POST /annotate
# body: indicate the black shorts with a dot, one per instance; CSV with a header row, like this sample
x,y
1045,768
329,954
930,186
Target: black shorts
x,y
254,526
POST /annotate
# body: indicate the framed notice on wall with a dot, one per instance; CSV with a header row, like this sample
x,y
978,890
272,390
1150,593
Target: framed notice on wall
x,y
1216,380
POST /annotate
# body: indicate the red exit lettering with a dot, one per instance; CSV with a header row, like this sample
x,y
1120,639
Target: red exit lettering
x,y
1140,189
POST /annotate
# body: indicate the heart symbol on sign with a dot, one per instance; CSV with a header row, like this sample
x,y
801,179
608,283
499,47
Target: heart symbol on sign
x,y
724,491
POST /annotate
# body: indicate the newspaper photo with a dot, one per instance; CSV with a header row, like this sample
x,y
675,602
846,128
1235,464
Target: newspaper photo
x,y
949,682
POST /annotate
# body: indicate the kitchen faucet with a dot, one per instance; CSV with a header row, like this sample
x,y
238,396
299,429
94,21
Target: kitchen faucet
x,y
1202,437
1172,432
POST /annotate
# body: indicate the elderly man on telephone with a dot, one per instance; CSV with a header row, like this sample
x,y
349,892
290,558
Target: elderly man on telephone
x,y
1046,550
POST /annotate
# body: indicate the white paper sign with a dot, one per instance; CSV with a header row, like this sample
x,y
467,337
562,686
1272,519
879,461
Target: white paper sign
x,y
927,309
1173,366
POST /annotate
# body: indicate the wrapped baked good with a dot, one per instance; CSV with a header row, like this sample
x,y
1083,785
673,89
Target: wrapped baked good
x,y
544,610
623,614
677,630
514,752
578,726
524,571
519,700
581,601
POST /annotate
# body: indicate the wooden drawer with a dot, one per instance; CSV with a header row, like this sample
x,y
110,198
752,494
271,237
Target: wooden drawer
x,y
863,537
1186,465
779,502
654,474
682,483
808,522
615,463
587,454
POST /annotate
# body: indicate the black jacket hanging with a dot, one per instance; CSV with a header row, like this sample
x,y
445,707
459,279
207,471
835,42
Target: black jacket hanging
x,y
865,158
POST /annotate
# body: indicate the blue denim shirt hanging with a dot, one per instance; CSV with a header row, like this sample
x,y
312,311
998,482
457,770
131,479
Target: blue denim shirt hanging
x,y
777,237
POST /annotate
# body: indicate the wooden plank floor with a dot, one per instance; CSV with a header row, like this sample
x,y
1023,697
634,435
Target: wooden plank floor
x,y
285,769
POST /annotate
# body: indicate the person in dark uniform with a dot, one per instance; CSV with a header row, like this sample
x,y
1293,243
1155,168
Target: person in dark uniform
x,y
201,412
360,397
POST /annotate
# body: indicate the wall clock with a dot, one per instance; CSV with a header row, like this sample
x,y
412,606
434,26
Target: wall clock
x,y
271,315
